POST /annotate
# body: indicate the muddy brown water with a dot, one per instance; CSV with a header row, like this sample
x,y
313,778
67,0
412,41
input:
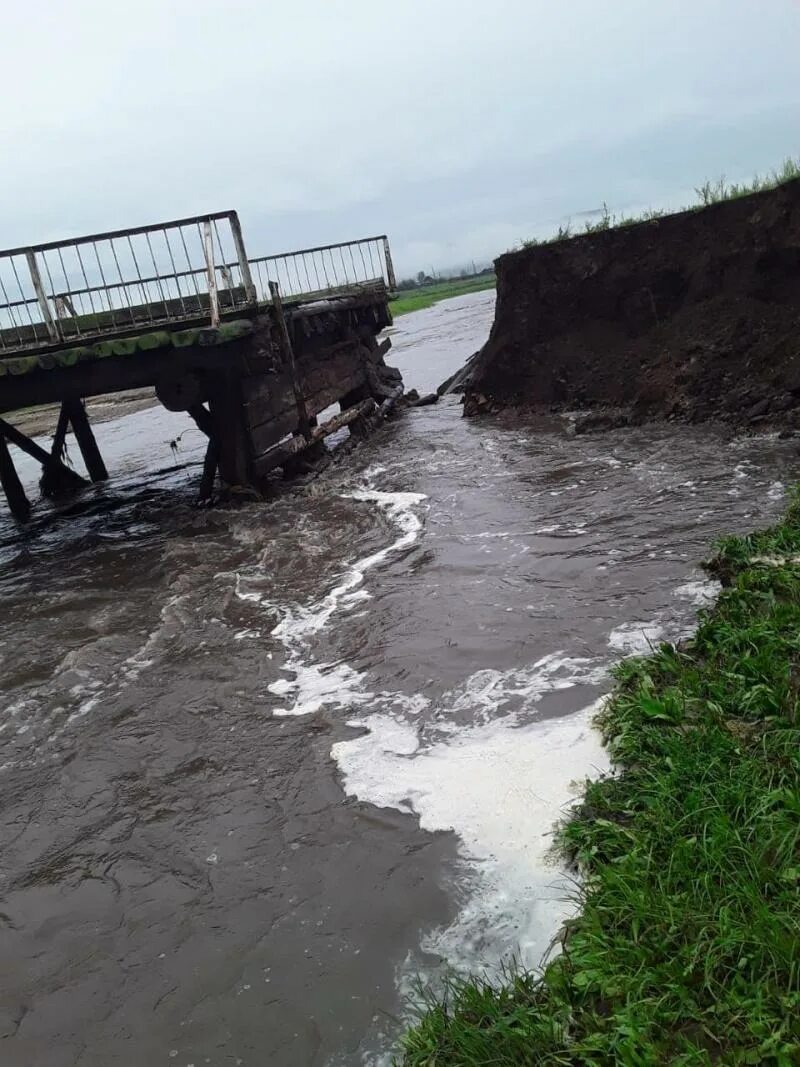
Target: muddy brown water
x,y
259,767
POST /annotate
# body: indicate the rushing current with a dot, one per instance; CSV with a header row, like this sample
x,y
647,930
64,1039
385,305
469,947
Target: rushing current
x,y
262,767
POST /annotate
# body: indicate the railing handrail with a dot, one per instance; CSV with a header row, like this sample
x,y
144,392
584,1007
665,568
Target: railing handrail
x,y
318,248
110,235
54,285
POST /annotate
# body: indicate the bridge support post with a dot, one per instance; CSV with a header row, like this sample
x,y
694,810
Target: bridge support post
x,y
86,440
229,431
18,503
57,478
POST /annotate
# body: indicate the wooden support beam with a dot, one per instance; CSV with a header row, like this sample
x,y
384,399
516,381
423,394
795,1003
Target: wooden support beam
x,y
203,419
288,354
59,438
86,440
230,432
60,477
18,503
209,471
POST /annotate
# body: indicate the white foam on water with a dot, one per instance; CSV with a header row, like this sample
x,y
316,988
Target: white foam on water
x,y
776,491
634,638
701,592
316,685
501,786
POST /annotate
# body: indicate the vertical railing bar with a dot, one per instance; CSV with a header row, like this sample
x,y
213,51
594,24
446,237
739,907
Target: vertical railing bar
x,y
203,250
208,247
222,256
68,292
363,261
59,328
157,274
308,276
191,268
11,314
353,262
262,287
175,271
390,278
85,279
344,265
25,300
145,292
125,286
41,296
105,285
325,269
296,265
227,276
241,254
316,271
372,261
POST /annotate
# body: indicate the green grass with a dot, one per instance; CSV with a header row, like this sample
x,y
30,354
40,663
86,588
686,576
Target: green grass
x,y
708,193
426,296
686,949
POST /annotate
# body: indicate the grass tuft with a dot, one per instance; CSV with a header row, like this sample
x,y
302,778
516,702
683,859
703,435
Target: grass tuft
x,y
710,192
686,949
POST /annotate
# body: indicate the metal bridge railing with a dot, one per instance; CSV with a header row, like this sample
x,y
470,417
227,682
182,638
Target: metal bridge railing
x,y
111,283
193,269
325,270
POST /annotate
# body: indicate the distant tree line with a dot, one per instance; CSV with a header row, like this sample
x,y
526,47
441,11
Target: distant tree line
x,y
435,277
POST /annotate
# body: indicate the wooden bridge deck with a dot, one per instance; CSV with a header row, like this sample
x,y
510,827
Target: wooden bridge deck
x,y
253,350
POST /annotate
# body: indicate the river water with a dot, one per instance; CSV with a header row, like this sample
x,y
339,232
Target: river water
x,y
262,766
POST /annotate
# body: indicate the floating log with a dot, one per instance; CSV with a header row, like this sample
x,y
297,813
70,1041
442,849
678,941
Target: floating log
x,y
284,450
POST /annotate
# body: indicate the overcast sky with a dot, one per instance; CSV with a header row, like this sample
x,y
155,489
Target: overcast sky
x,y
459,128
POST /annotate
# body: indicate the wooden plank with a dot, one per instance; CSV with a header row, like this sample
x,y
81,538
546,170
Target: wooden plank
x,y
113,374
272,430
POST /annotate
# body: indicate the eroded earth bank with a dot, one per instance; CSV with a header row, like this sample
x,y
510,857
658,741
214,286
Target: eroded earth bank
x,y
689,317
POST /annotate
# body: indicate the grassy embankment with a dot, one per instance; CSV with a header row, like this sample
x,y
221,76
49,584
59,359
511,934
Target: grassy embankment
x,y
686,949
427,295
708,193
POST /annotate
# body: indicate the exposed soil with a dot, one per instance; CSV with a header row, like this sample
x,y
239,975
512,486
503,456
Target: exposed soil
x,y
693,316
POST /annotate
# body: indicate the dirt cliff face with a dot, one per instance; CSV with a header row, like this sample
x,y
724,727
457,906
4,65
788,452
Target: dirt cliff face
x,y
692,316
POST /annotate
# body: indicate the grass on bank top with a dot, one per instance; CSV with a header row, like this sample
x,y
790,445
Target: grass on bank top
x,y
427,295
687,946
708,193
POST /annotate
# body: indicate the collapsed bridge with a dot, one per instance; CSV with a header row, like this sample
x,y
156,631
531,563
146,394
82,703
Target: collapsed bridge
x,y
254,350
